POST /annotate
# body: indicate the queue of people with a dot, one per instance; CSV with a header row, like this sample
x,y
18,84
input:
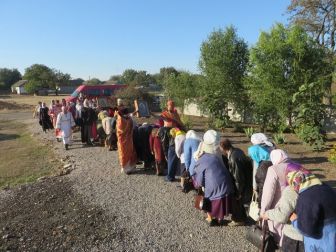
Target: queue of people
x,y
298,208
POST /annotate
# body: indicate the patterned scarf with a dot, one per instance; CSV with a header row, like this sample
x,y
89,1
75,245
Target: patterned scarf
x,y
302,179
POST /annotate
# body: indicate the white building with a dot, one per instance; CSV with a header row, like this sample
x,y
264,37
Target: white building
x,y
18,87
194,110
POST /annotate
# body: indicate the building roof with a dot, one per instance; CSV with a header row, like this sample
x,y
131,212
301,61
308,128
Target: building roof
x,y
19,83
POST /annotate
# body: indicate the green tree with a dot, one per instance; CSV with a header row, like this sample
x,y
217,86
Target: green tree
x,y
142,78
39,76
160,77
223,62
318,17
282,61
132,93
93,81
116,78
8,77
182,88
128,76
77,82
61,79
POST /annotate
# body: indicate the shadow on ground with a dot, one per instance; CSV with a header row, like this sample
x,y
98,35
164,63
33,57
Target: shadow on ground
x,y
4,137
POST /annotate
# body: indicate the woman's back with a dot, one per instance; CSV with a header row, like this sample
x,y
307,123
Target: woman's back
x,y
217,179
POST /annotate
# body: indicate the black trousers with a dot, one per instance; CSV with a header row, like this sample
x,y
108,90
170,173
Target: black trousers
x,y
86,134
238,210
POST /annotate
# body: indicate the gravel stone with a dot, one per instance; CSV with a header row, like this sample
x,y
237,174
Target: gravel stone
x,y
118,212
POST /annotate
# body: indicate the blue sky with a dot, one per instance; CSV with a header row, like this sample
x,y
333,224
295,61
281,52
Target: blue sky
x,y
100,38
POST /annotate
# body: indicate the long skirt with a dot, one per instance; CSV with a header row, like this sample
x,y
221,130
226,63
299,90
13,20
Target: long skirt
x,y
221,207
290,245
94,133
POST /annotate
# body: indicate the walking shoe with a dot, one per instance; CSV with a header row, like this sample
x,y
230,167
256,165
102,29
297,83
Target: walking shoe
x,y
168,179
66,147
212,222
236,223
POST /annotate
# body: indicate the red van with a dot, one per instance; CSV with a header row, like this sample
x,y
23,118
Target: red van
x,y
93,91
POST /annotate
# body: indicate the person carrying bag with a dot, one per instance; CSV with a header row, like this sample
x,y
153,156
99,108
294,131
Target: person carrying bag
x,y
261,237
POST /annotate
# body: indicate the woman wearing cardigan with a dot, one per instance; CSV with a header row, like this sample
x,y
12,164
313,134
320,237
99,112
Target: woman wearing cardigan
x,y
274,184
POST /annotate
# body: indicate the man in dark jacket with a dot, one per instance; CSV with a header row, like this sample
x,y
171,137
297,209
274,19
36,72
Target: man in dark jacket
x,y
240,167
88,116
145,154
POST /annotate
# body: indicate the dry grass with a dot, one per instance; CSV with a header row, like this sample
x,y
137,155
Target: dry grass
x,y
30,100
23,159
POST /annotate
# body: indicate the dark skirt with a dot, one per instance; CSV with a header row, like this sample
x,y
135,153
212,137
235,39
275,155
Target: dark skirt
x,y
221,207
290,245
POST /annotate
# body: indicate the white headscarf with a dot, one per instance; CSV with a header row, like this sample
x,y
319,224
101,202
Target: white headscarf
x,y
260,138
278,156
86,103
211,140
193,135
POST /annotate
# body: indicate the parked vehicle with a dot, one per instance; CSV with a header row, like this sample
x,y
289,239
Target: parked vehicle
x,y
94,91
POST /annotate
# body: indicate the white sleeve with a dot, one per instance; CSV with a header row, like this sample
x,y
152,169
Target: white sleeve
x,y
58,121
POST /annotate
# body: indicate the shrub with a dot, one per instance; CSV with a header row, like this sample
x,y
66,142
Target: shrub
x,y
220,124
312,136
249,131
332,155
187,122
237,127
279,138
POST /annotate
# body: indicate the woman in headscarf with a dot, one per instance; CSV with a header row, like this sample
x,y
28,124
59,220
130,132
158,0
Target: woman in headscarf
x,y
292,239
259,151
260,178
179,136
211,174
54,110
315,211
190,147
275,182
126,150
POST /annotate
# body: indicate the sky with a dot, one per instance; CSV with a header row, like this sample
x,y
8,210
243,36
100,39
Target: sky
x,y
101,38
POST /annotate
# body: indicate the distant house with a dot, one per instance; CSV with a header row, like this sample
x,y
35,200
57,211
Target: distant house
x,y
18,87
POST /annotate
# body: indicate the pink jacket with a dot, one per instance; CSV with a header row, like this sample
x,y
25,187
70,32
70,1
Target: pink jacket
x,y
275,183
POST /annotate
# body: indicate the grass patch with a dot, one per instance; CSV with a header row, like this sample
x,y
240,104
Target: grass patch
x,y
23,159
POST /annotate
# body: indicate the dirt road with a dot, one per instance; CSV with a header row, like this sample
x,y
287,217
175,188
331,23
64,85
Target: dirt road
x,y
96,208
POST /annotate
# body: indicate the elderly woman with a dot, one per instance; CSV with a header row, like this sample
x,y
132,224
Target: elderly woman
x,y
275,182
292,239
315,210
259,151
179,138
211,174
190,146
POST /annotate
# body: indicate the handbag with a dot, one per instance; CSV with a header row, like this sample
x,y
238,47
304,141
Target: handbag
x,y
254,208
261,237
202,203
186,182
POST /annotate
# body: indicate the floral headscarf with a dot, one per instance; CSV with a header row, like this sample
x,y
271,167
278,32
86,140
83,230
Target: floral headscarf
x,y
302,179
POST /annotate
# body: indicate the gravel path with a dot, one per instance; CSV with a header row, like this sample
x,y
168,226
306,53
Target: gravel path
x,y
147,213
